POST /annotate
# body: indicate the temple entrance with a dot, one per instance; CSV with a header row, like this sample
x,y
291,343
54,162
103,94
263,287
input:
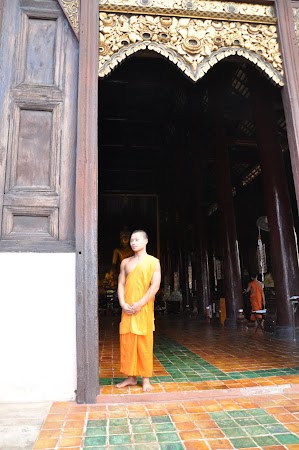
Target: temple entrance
x,y
192,177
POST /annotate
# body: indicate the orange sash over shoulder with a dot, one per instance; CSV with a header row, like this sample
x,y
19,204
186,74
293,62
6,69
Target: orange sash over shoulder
x,y
137,283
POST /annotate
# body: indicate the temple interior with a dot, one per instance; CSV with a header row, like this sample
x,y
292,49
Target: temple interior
x,y
159,171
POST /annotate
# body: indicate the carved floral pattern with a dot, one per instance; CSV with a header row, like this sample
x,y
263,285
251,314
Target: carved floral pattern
x,y
211,9
71,9
296,20
194,45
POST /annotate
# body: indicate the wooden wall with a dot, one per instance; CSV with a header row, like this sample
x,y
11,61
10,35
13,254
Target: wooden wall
x,y
38,116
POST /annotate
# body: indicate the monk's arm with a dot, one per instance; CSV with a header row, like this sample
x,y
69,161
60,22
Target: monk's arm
x,y
121,289
152,290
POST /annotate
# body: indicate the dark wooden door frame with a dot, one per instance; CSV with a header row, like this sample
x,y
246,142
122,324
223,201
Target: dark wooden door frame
x,y
87,206
290,92
87,179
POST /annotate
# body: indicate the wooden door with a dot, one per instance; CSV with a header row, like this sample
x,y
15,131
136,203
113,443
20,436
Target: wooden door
x,y
38,121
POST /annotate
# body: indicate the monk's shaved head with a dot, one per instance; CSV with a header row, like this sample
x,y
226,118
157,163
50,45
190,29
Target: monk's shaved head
x,y
141,231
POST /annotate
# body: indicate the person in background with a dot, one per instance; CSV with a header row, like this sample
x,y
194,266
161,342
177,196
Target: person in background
x,y
257,297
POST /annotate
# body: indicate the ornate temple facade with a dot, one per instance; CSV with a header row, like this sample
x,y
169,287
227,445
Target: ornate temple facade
x,y
59,191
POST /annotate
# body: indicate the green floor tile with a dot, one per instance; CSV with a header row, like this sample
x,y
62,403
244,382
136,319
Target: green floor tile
x,y
234,432
276,429
238,414
94,441
98,447
96,423
119,430
256,430
266,420
264,441
242,442
141,428
160,419
226,423
219,415
247,421
287,438
165,426
144,437
173,446
140,421
151,446
119,440
106,381
257,412
96,431
118,422
168,437
120,447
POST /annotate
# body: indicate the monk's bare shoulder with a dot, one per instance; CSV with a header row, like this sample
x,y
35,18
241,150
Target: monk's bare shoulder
x,y
125,264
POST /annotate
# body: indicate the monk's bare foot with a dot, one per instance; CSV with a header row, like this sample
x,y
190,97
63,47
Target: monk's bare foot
x,y
130,381
146,385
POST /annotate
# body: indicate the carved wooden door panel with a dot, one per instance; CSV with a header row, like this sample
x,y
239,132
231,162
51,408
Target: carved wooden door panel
x,y
38,117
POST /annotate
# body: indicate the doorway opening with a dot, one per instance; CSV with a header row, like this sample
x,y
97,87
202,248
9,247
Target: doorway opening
x,y
158,172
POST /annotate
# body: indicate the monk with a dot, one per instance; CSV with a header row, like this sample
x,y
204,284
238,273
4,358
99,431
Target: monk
x,y
257,297
138,282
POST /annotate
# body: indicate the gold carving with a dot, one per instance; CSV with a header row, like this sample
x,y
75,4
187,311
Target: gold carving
x,y
194,45
296,20
71,9
204,9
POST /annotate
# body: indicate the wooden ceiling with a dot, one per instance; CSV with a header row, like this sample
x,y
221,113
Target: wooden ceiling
x,y
151,119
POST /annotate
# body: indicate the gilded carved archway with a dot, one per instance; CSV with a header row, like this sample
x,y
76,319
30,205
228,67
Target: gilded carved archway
x,y
194,35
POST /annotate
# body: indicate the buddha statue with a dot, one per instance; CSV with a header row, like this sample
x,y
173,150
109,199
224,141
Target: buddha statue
x,y
122,252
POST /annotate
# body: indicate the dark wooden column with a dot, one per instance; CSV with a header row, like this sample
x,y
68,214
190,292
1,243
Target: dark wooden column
x,y
290,92
86,206
202,265
231,262
278,207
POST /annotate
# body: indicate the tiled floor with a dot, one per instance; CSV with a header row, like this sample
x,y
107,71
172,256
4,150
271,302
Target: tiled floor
x,y
213,389
191,355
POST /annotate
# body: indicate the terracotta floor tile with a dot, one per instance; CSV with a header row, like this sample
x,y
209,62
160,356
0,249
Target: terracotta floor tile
x,y
52,425
213,433
185,426
276,447
190,435
180,418
219,444
74,424
70,442
49,434
157,412
45,443
97,415
76,416
285,418
196,445
205,424
69,448
72,432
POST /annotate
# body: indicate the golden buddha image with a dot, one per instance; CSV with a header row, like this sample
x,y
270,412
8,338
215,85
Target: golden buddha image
x,y
119,253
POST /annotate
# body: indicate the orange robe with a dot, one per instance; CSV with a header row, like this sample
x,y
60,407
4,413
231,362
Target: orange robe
x,y
136,331
256,297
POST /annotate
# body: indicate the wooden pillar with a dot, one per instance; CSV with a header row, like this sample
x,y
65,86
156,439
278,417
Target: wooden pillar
x,y
290,92
202,266
231,262
86,206
278,207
